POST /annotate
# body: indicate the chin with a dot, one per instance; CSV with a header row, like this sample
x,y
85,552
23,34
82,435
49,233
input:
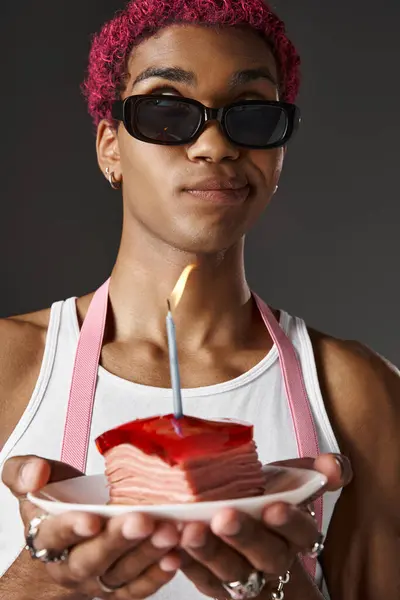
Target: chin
x,y
206,243
208,232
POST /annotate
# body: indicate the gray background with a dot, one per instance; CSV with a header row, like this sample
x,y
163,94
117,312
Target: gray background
x,y
326,250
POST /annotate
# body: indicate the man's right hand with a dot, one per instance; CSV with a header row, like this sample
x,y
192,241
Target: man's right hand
x,y
130,550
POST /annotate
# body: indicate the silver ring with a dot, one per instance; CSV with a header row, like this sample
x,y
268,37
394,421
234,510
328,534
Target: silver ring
x,y
106,588
45,556
317,548
249,589
311,511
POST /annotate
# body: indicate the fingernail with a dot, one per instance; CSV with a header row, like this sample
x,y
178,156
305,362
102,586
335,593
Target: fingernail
x,y
339,460
28,474
199,541
231,528
84,529
164,539
169,564
278,515
134,530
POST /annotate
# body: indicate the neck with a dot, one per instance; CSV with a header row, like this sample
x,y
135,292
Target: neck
x,y
216,305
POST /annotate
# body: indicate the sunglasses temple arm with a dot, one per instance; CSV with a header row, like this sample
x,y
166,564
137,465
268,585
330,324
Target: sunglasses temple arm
x,y
117,111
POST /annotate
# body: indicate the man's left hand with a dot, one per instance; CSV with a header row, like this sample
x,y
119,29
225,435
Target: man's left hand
x,y
234,545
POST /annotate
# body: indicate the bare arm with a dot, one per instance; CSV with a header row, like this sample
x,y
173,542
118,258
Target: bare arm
x,y
14,586
362,396
21,352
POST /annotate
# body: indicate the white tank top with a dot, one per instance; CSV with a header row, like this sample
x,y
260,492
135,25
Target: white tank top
x,y
258,396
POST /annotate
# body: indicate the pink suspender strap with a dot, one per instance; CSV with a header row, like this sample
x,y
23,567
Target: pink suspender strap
x,y
303,422
306,435
84,378
83,387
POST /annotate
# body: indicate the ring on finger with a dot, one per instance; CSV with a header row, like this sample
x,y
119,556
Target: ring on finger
x,y
310,510
252,588
44,555
108,589
317,548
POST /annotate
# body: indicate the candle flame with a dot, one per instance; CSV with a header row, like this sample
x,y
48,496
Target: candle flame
x,y
179,288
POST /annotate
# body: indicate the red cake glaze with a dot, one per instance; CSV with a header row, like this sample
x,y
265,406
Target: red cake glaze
x,y
175,441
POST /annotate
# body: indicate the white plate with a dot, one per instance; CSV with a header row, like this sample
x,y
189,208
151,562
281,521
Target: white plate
x,y
90,494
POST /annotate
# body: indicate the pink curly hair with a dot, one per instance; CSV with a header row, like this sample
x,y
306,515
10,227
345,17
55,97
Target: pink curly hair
x,y
112,47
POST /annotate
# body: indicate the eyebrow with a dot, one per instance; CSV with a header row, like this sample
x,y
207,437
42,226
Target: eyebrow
x,y
175,74
179,75
249,75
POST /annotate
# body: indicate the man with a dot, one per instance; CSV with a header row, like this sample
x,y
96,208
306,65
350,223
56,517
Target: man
x,y
193,200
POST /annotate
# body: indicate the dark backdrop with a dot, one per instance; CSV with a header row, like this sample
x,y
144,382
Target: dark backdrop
x,y
328,247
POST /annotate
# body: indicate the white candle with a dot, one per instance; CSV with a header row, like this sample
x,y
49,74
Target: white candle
x,y
174,366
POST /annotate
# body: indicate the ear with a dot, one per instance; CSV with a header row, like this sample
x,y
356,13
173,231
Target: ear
x,y
107,147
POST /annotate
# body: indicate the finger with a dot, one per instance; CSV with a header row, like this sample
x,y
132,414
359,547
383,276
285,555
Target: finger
x,y
298,528
209,550
148,583
28,511
62,532
204,580
95,556
337,468
137,561
265,550
294,463
171,561
23,474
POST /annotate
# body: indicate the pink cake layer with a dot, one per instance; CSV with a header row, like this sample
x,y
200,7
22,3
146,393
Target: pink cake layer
x,y
135,477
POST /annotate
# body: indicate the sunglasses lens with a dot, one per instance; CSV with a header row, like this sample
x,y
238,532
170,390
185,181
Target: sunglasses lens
x,y
167,120
256,124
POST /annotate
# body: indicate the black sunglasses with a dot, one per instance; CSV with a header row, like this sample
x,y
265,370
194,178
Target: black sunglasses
x,y
174,120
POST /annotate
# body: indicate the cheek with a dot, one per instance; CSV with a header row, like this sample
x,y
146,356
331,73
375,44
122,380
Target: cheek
x,y
268,165
146,166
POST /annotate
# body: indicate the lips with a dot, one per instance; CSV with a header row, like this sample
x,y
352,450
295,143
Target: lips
x,y
218,183
221,196
220,190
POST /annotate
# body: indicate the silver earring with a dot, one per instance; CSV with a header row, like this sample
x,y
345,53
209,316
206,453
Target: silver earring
x,y
115,184
276,189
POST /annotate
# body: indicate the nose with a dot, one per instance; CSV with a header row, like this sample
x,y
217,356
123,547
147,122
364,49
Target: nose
x,y
213,145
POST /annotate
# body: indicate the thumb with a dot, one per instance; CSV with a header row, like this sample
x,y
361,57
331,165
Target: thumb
x,y
23,474
295,463
337,469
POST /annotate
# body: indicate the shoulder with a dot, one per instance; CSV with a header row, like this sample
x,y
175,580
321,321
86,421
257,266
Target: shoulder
x,y
22,343
356,382
22,338
22,346
361,393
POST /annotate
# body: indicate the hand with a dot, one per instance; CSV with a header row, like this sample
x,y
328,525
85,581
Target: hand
x,y
235,544
129,550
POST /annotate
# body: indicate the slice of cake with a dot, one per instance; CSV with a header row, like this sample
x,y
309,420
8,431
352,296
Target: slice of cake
x,y
162,460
